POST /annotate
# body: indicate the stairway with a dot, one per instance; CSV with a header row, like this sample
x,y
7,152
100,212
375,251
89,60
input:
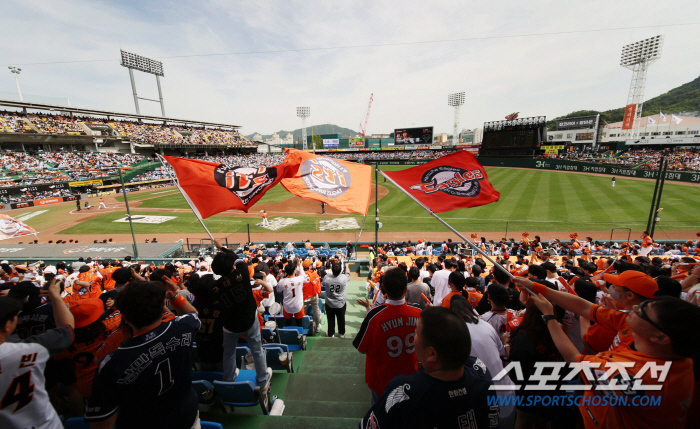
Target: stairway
x,y
327,389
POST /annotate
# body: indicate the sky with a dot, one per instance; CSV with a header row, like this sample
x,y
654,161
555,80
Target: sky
x,y
252,63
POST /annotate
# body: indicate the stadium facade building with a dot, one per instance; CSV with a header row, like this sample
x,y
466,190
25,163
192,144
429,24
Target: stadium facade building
x,y
655,130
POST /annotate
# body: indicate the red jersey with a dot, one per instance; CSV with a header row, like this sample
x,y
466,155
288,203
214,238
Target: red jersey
x,y
386,338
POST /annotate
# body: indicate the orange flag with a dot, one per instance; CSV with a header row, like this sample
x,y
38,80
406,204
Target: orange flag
x,y
343,185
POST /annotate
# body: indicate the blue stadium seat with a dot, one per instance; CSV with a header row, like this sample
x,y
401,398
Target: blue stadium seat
x,y
272,352
210,376
323,293
242,393
267,335
205,394
211,425
307,323
76,423
241,352
293,338
280,320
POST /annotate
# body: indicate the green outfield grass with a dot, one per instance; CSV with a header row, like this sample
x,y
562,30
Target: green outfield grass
x,y
174,200
530,200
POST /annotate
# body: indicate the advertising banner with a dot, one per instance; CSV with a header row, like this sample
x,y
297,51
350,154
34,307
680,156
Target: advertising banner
x,y
44,202
413,135
356,142
11,228
586,167
628,121
572,123
85,183
331,142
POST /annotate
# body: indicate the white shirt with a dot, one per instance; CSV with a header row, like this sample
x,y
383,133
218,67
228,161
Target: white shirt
x,y
272,281
293,289
442,288
487,346
424,274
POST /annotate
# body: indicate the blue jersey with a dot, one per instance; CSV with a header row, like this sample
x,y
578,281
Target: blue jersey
x,y
147,380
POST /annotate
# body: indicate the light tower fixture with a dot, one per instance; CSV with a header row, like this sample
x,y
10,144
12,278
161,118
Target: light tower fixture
x,y
15,71
303,113
146,65
456,100
638,57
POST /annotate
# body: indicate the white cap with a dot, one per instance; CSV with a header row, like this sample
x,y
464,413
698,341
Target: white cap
x,y
50,269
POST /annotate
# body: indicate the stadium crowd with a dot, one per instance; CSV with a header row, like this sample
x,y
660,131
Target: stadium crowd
x,y
162,172
440,325
56,124
644,159
148,133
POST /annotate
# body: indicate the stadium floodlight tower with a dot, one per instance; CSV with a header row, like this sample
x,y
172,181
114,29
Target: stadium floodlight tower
x,y
456,100
146,65
638,57
303,113
15,71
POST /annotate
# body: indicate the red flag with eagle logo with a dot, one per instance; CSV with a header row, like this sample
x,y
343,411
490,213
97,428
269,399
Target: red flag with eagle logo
x,y
454,181
213,188
343,185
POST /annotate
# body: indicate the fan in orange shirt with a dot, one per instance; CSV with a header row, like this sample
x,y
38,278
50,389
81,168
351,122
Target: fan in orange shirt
x,y
665,330
107,282
647,243
87,286
456,282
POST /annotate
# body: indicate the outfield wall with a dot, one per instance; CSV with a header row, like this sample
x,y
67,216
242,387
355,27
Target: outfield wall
x,y
561,165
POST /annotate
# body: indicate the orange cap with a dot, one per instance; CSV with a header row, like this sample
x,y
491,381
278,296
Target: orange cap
x,y
306,263
86,311
636,281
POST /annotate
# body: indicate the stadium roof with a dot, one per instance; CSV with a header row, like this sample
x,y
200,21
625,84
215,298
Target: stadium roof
x,y
79,111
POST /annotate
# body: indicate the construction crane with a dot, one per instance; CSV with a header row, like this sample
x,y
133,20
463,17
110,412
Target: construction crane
x,y
363,130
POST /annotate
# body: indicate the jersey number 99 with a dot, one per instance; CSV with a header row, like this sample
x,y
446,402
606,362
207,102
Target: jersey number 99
x,y
397,346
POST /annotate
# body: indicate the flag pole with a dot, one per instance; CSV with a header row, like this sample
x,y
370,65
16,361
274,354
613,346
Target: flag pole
x,y
187,198
474,246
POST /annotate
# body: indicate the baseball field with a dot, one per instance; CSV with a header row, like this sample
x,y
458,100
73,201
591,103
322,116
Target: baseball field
x,y
548,203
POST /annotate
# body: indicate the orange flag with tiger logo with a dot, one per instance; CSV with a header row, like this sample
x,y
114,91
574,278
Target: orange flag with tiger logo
x,y
212,188
343,185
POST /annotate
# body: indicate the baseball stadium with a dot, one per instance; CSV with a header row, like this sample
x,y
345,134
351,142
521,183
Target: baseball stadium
x,y
158,271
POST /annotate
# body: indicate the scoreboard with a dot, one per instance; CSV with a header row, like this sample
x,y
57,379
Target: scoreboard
x,y
520,136
511,139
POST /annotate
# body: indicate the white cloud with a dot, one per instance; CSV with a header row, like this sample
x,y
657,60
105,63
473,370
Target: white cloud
x,y
539,75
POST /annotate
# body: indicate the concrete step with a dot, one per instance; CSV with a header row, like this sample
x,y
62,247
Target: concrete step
x,y
335,358
331,370
355,410
327,387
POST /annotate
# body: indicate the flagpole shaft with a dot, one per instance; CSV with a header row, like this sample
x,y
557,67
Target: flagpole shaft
x,y
474,246
189,203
